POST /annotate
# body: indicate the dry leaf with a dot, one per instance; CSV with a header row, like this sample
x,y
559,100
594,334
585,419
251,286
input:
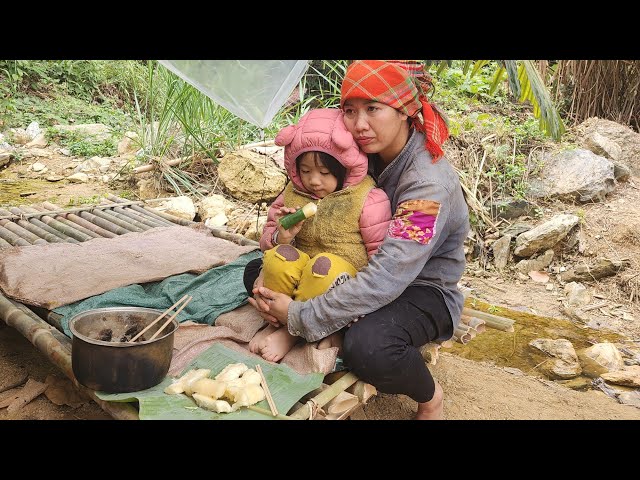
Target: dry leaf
x,y
539,277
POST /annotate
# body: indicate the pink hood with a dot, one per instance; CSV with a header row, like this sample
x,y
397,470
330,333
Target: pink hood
x,y
322,130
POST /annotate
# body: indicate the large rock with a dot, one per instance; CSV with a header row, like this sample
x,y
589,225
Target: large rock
x,y
247,176
564,364
600,358
574,175
612,140
181,207
545,236
212,210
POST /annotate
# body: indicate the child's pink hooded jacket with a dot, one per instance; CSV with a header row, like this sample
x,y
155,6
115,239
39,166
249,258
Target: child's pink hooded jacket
x,y
323,130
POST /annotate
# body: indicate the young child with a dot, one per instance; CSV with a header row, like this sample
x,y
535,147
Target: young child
x,y
325,167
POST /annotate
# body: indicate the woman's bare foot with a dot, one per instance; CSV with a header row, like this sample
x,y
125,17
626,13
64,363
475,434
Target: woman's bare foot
x,y
254,343
333,340
276,345
431,410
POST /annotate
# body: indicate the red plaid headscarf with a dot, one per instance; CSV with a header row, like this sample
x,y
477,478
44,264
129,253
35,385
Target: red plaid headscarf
x,y
391,84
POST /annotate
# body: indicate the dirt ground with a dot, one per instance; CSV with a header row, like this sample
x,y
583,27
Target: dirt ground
x,y
478,390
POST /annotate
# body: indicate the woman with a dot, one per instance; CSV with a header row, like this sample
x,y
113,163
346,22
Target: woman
x,y
407,295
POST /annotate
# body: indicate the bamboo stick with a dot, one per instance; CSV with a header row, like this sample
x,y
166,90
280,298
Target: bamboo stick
x,y
492,321
267,392
130,214
89,208
142,217
22,233
143,227
172,218
40,334
152,214
4,243
477,324
39,232
267,412
96,225
145,219
12,238
326,395
138,208
109,216
64,228
234,237
463,336
77,226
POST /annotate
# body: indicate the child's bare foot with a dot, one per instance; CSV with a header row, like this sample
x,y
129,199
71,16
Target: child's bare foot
x,y
254,343
431,410
333,340
276,345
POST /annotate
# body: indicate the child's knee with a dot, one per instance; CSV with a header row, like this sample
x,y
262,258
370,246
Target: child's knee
x,y
322,273
282,268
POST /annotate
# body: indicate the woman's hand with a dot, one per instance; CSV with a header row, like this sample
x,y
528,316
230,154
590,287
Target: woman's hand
x,y
287,236
273,306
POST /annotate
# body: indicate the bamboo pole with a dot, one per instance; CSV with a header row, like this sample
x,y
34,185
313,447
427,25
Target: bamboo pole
x,y
234,237
76,209
97,226
43,234
463,336
57,348
22,233
492,321
130,214
477,324
172,218
4,243
62,227
141,217
325,396
113,217
12,238
141,210
143,227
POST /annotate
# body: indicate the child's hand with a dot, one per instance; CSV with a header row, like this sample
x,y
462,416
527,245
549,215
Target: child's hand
x,y
286,236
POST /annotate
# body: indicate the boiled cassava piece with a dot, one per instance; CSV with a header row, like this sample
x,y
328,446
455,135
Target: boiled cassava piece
x,y
234,387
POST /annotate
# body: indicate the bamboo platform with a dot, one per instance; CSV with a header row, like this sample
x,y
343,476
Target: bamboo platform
x,y
341,396
338,398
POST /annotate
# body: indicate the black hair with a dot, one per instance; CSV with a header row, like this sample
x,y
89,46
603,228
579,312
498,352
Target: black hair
x,y
334,166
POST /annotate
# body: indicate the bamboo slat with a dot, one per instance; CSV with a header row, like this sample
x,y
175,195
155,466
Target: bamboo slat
x,y
57,348
143,218
97,226
46,228
121,214
62,225
139,209
113,217
322,398
23,233
12,238
39,232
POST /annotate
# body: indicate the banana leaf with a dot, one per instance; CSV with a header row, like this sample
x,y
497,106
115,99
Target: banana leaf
x,y
285,384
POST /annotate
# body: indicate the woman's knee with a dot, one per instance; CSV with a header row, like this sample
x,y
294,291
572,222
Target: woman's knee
x,y
367,346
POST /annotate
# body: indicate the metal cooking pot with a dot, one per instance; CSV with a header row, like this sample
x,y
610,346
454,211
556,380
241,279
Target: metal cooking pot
x,y
103,360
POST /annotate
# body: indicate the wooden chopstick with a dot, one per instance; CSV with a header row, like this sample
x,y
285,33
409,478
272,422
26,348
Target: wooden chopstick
x,y
267,393
160,317
171,318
